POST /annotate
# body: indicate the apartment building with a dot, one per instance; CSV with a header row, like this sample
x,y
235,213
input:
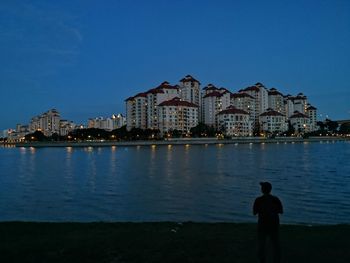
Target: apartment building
x,y
272,121
234,122
260,95
244,102
214,101
176,114
48,123
300,122
276,101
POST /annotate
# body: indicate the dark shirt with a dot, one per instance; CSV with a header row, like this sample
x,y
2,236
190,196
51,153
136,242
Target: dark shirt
x,y
268,207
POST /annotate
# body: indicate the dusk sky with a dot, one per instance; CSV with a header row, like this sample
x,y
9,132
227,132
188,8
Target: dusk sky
x,y
84,58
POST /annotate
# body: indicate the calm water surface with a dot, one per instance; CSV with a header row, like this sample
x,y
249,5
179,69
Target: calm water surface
x,y
175,183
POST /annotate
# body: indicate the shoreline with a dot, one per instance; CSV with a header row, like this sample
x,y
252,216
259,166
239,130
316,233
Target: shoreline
x,y
179,141
160,242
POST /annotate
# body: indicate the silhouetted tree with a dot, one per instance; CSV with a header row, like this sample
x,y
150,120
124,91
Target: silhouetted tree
x,y
257,129
345,128
332,126
203,130
35,136
120,134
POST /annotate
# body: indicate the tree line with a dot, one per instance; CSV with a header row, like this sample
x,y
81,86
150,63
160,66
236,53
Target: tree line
x,y
201,130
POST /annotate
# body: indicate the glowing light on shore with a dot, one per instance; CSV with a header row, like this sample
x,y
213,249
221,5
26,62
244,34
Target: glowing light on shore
x,y
32,150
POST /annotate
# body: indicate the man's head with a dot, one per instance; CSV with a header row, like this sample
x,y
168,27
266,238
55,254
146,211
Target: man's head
x,y
266,187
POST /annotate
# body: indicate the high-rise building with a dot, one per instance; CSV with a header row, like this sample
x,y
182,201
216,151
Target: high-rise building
x,y
234,122
311,112
176,114
260,95
276,101
300,122
155,96
273,121
214,101
48,123
136,111
244,102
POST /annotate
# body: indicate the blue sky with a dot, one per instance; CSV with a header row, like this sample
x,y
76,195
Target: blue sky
x,y
85,57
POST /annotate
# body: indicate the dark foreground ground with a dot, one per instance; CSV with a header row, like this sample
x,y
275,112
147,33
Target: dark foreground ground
x,y
165,242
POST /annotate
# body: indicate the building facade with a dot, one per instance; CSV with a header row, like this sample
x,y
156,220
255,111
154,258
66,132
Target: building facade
x,y
276,101
48,123
116,121
273,121
234,122
214,101
260,95
311,112
300,122
176,114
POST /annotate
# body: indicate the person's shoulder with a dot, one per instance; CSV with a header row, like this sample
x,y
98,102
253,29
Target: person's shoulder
x,y
259,198
275,198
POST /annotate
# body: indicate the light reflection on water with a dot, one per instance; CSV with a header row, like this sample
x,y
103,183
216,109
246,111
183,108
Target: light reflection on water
x,y
174,183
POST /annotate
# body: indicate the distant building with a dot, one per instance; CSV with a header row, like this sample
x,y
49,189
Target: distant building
x,y
176,114
297,103
276,101
48,123
272,121
214,101
190,91
260,95
155,96
300,122
142,110
108,124
234,122
311,112
17,134
244,102
136,111
66,127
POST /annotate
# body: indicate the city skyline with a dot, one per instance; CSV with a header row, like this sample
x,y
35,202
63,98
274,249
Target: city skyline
x,y
85,59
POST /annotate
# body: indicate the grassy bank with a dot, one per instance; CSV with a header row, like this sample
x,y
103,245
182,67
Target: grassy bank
x,y
165,242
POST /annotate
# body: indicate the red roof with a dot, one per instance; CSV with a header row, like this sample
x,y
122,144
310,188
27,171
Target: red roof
x,y
142,94
213,94
189,78
163,85
154,91
241,95
177,102
271,112
258,84
298,114
166,85
251,88
210,87
233,110
311,108
274,91
130,98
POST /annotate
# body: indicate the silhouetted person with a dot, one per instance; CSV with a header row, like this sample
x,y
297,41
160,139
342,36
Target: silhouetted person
x,y
267,207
